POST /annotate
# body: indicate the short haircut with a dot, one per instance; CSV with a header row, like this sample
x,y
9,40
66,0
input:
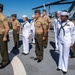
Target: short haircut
x,y
1,7
44,10
37,11
14,15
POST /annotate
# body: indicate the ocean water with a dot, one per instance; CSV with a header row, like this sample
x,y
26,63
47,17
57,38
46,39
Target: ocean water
x,y
21,21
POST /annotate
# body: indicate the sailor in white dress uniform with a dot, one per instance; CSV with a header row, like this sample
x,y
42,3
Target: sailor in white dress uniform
x,y
56,22
66,37
26,32
32,29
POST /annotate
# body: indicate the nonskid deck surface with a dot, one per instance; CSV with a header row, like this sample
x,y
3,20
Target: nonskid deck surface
x,y
25,65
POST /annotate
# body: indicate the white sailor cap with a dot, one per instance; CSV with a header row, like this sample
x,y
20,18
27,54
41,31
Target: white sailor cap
x,y
59,12
25,16
33,15
64,13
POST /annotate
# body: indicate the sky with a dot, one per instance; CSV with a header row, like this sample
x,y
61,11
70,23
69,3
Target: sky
x,y
24,7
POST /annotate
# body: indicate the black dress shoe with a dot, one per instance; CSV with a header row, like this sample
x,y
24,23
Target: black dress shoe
x,y
64,72
3,66
58,69
25,53
0,63
72,56
45,46
36,58
39,60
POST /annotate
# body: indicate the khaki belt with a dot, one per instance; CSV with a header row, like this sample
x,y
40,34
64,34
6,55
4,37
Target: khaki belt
x,y
14,29
38,33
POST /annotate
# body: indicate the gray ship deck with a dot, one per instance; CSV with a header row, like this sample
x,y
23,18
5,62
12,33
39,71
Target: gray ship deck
x,y
25,65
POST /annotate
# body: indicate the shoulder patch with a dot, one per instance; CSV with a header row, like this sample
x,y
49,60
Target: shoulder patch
x,y
68,25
